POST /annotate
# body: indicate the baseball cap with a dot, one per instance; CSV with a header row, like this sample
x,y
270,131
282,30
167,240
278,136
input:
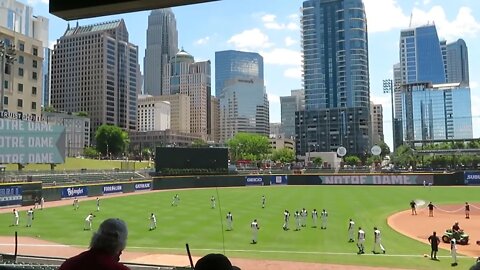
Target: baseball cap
x,y
214,261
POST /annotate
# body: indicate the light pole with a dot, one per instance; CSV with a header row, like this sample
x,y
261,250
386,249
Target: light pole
x,y
388,88
7,56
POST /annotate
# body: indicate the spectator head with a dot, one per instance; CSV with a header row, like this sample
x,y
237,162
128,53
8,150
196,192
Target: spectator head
x,y
214,261
111,236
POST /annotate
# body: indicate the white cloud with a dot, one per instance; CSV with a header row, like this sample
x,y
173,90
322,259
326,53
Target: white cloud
x,y
293,26
426,2
272,98
464,24
282,56
384,15
294,73
51,44
294,17
34,2
290,41
270,22
251,39
202,41
268,18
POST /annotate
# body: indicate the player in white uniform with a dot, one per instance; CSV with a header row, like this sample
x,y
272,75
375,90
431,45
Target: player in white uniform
x,y
255,228
42,202
324,216
264,200
351,227
15,217
314,217
29,217
175,200
75,204
98,204
153,222
361,241
297,217
303,216
378,241
286,218
453,251
229,221
88,222
213,202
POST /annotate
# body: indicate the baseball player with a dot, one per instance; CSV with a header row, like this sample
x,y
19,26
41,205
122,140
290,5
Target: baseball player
x,y
229,221
75,204
212,202
175,200
42,202
255,228
361,241
413,206
297,221
430,209
467,210
15,217
303,216
378,241
351,227
29,217
453,251
36,203
153,222
324,216
286,218
88,222
314,218
98,204
264,199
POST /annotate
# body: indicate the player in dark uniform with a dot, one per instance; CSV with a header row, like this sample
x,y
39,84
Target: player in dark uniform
x,y
434,241
430,209
467,210
413,205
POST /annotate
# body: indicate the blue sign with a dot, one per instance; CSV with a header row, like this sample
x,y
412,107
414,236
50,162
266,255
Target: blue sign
x,y
254,180
471,178
10,195
112,189
143,186
278,180
72,192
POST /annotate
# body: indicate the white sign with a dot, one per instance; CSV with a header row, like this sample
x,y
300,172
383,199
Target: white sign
x,y
376,150
341,151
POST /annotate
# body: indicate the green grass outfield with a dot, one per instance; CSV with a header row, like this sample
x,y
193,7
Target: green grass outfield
x,y
76,164
193,221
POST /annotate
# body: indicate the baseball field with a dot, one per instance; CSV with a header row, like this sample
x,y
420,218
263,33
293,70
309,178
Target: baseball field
x,y
193,221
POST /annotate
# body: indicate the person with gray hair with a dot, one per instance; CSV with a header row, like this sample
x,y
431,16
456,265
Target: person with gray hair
x,y
106,246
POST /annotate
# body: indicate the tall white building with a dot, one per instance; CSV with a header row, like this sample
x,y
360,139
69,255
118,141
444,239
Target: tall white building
x,y
162,45
153,114
376,114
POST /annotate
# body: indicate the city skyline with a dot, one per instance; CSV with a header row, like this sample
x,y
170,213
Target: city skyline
x,y
275,32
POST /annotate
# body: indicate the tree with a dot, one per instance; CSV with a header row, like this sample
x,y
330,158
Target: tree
x,y
374,159
248,146
404,156
283,155
318,161
111,140
352,160
385,149
146,153
49,109
82,114
90,152
199,143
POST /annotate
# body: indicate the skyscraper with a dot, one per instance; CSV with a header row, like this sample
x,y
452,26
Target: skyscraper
x,y
236,64
162,45
335,76
104,81
185,76
288,106
422,56
457,63
376,114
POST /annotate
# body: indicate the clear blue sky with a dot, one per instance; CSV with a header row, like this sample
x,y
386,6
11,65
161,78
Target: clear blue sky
x,y
271,27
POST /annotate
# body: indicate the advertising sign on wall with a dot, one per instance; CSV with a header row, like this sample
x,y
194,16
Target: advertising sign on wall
x,y
254,180
472,178
278,180
143,186
26,142
72,192
385,179
10,195
108,189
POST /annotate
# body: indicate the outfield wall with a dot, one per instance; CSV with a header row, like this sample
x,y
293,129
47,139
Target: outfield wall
x,y
20,193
